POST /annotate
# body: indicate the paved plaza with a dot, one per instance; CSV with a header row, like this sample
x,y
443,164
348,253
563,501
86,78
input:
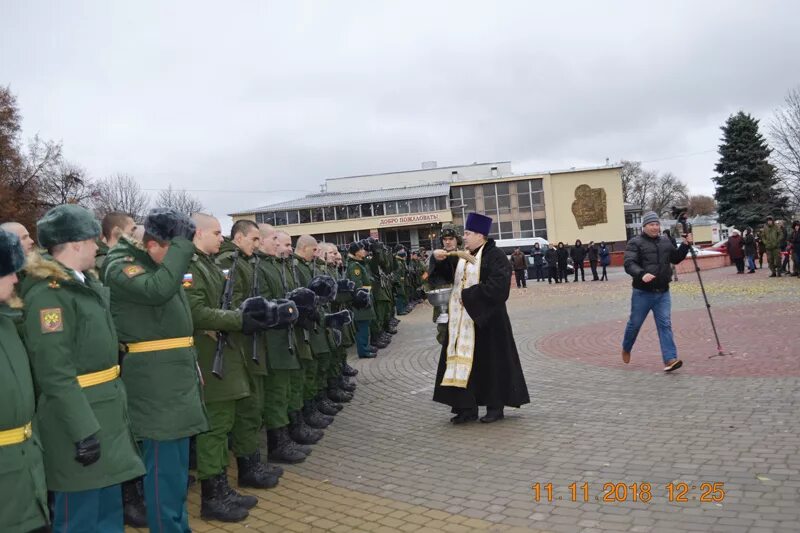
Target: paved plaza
x,y
393,462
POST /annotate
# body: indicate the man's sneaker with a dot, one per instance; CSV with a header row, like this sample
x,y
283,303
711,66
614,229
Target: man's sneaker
x,y
626,357
674,364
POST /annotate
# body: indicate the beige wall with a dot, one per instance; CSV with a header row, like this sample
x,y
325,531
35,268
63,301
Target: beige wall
x,y
358,224
559,193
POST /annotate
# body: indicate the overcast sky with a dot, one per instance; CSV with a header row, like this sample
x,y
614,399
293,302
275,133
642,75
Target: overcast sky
x,y
260,101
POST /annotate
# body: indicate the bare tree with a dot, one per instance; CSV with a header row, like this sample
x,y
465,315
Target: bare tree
x,y
121,193
642,187
631,171
667,191
784,133
701,204
178,199
66,183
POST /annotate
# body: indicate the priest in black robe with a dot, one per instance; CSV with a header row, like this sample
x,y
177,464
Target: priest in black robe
x,y
479,364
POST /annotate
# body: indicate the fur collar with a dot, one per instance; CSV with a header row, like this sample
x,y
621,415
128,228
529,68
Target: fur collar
x,y
41,267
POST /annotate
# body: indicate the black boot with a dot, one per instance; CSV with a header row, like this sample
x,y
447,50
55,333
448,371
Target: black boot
x,y
217,504
252,473
326,406
349,371
239,499
493,414
346,384
300,432
281,448
134,511
335,393
313,417
391,330
378,344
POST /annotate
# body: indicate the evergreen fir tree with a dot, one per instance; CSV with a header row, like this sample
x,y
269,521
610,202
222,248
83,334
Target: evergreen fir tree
x,y
747,187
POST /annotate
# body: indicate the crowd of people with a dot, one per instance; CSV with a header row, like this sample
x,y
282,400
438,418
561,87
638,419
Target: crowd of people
x,y
780,245
132,354
556,262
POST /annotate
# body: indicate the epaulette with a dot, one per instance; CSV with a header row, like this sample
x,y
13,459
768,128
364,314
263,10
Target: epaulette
x,y
54,284
195,257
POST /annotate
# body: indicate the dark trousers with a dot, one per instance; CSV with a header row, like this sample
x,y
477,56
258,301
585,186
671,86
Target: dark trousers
x,y
563,274
593,266
552,274
604,276
89,511
519,275
165,484
362,337
579,266
539,270
739,262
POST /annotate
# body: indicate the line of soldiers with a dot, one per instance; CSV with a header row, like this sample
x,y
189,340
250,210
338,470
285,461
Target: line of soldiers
x,y
395,286
191,334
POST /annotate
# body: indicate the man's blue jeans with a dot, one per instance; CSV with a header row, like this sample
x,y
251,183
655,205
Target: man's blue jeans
x,y
642,302
751,262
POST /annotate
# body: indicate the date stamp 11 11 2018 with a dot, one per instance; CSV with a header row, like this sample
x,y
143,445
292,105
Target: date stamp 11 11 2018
x,y
676,492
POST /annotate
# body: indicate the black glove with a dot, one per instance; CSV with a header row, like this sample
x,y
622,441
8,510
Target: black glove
x,y
361,299
287,313
250,324
87,451
324,287
257,307
345,286
337,337
303,298
338,320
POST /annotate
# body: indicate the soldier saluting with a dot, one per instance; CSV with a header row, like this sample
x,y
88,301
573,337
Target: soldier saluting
x,y
159,368
82,412
24,491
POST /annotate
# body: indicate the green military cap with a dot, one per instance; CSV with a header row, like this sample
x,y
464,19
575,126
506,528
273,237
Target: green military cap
x,y
12,256
67,223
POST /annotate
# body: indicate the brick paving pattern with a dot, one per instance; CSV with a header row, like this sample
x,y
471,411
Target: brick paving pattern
x,y
392,461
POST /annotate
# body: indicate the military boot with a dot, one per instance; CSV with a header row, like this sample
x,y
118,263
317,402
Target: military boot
x,y
313,417
134,511
217,504
378,344
336,394
391,330
239,499
281,448
346,383
326,406
253,473
348,370
300,432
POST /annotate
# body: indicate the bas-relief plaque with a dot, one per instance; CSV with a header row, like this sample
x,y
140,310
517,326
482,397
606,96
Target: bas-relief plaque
x,y
589,206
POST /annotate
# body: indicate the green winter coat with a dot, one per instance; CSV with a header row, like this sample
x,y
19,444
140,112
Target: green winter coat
x,y
243,289
22,484
148,304
305,271
99,259
203,285
359,274
69,332
771,236
283,346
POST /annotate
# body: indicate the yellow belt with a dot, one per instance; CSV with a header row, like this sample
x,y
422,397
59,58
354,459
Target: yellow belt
x,y
96,378
162,344
16,435
366,287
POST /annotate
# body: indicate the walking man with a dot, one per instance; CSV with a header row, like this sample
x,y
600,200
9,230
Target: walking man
x,y
518,265
648,260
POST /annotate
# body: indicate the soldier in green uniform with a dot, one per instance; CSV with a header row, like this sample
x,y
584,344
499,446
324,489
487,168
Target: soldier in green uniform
x,y
82,413
159,368
400,281
282,359
306,269
364,313
346,335
771,237
113,227
451,240
204,285
22,484
378,264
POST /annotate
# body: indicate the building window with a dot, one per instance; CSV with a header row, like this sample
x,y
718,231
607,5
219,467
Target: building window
x,y
330,213
280,218
377,209
506,231
462,196
341,212
540,228
402,206
428,204
526,229
366,210
353,211
493,233
391,208
292,217
305,216
316,215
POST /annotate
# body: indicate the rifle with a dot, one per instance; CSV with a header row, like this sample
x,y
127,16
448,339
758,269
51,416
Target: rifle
x,y
306,334
255,291
225,305
290,329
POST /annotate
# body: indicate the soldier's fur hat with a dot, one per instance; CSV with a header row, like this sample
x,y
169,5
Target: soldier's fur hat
x,y
12,256
67,223
165,224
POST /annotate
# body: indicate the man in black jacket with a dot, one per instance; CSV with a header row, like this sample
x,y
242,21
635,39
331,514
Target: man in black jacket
x,y
648,260
578,254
